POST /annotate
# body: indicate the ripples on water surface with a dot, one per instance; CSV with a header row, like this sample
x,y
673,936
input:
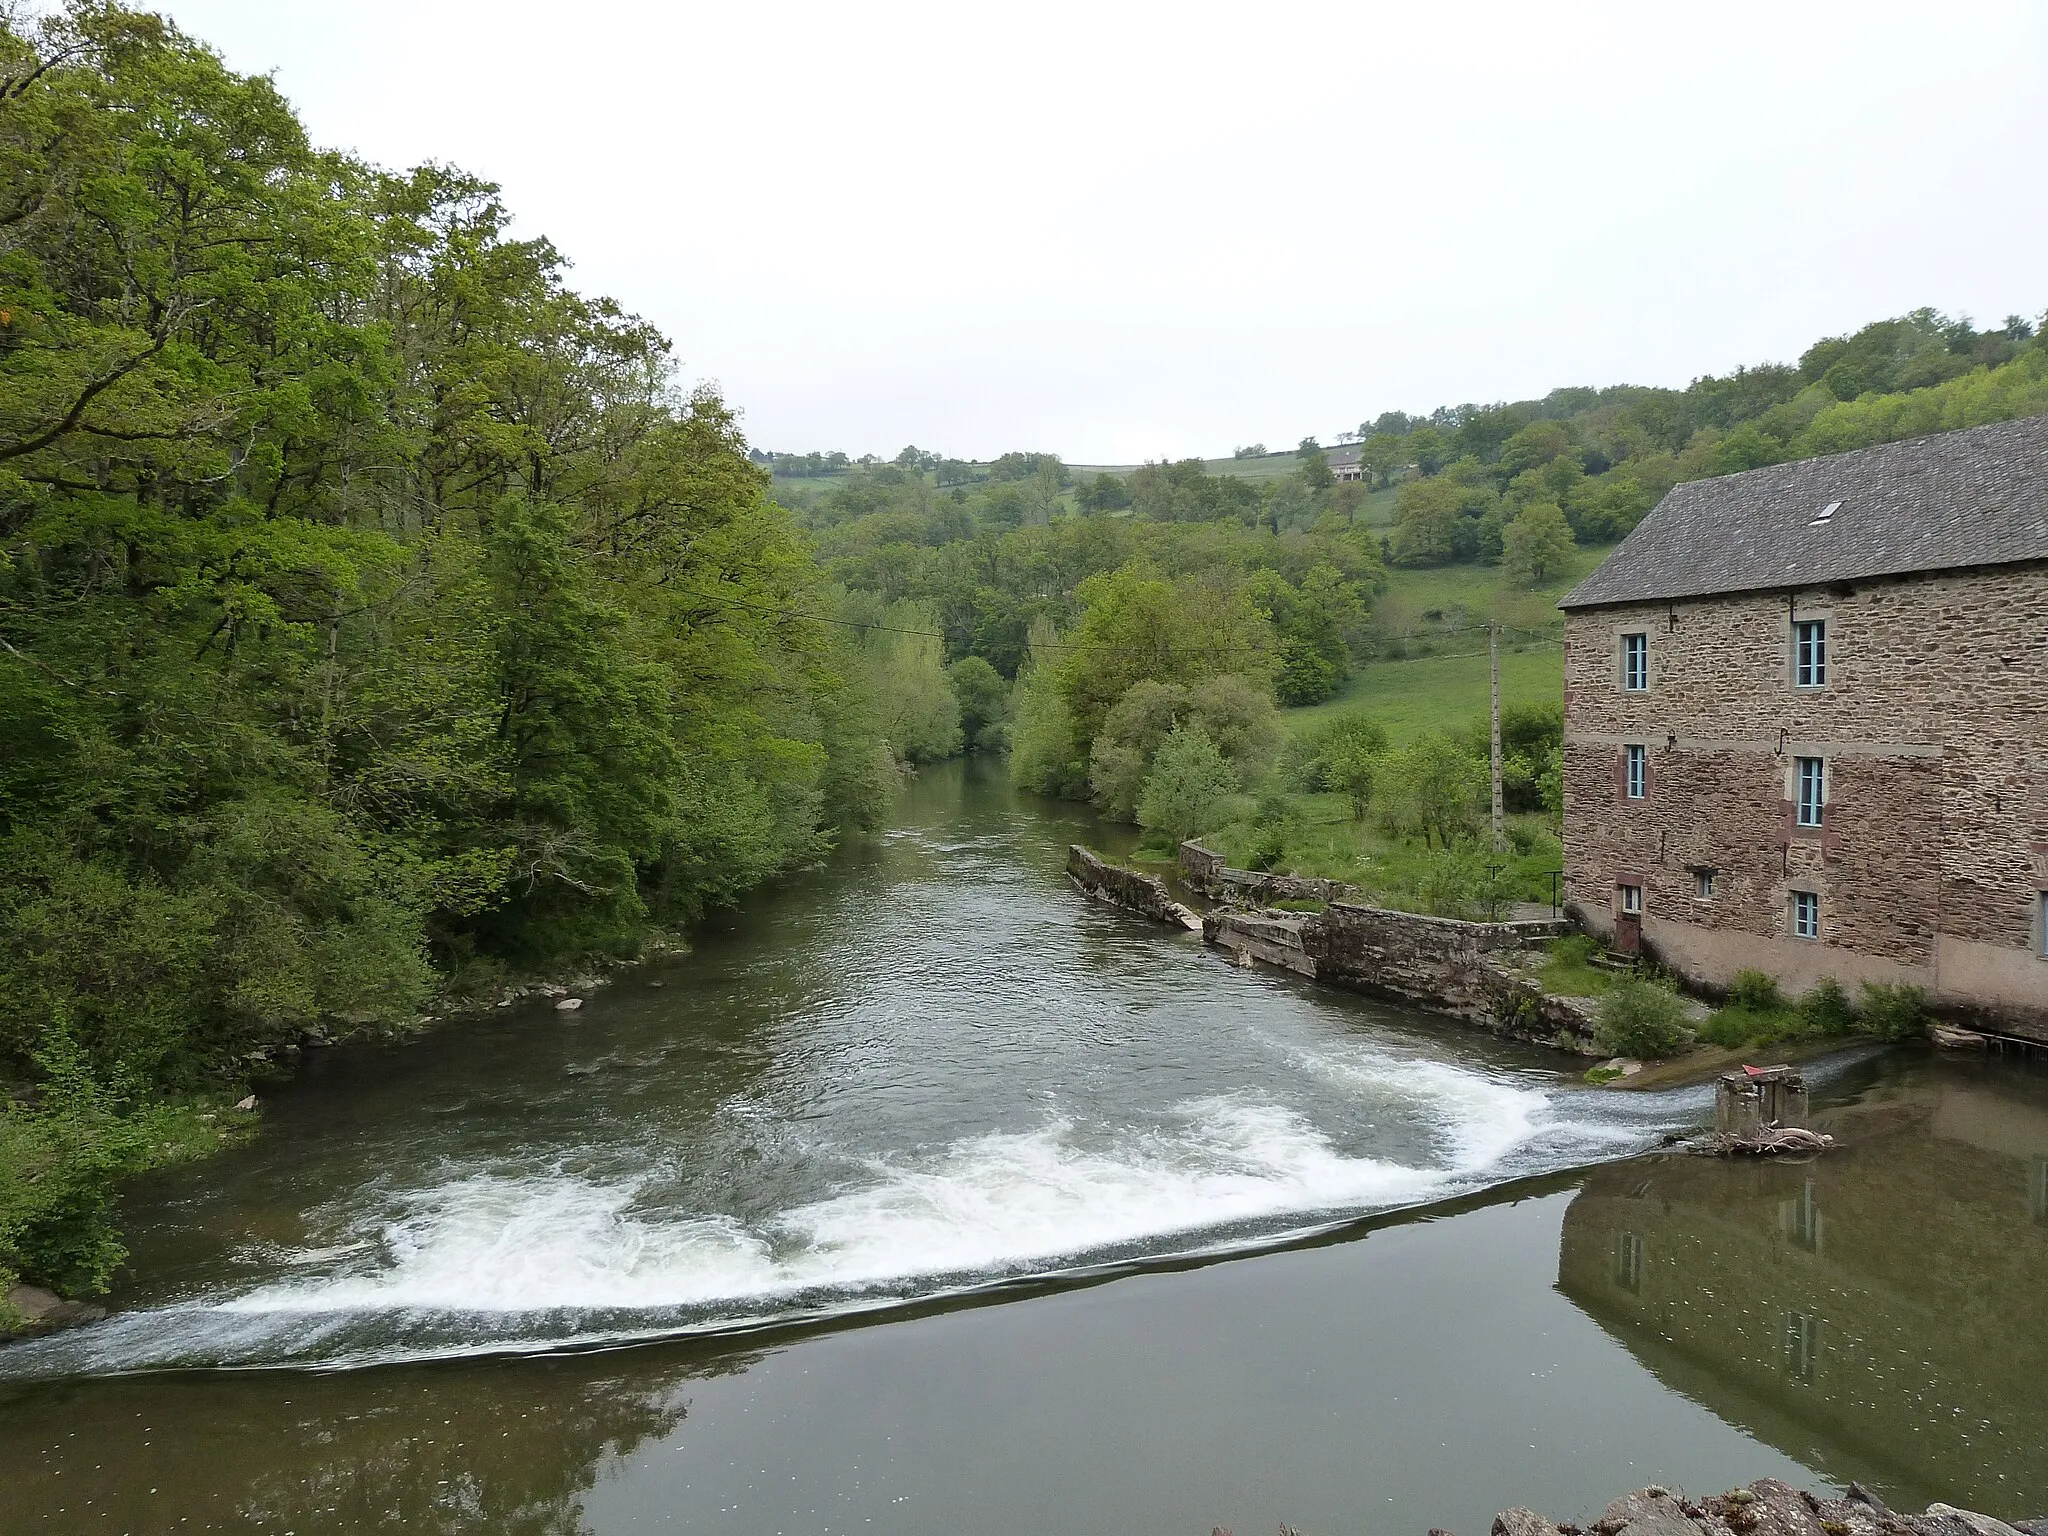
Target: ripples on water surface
x,y
932,1067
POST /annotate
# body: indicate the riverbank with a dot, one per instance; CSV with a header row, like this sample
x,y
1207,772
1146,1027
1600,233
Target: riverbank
x,y
1766,1507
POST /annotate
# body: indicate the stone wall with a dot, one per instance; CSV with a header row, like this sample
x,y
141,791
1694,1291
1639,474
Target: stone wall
x,y
1204,871
1470,971
1933,727
1143,894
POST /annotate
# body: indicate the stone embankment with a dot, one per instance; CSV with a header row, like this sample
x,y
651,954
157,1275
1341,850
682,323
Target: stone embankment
x,y
1144,894
1204,871
1765,1508
1483,973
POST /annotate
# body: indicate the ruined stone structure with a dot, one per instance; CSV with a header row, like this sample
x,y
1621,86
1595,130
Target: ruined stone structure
x,y
1806,726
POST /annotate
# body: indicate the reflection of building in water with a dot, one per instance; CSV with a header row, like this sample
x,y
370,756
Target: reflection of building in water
x,y
1876,1312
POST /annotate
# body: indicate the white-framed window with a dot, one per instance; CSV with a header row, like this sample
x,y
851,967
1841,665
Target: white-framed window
x,y
1628,1260
1637,771
1632,900
1811,788
1805,915
1635,662
1703,885
1810,653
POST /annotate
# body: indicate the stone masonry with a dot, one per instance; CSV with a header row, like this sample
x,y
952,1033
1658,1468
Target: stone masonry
x,y
1931,862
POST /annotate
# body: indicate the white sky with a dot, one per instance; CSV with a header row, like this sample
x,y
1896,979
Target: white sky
x,y
1120,231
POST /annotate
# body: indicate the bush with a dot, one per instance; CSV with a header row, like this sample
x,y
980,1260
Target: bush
x,y
1188,783
1638,1018
1825,1010
1755,991
1893,1013
1268,848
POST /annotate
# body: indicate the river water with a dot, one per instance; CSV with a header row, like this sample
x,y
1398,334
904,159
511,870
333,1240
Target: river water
x,y
933,1198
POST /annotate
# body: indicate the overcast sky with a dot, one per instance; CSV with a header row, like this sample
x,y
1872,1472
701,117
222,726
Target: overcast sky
x,y
1123,231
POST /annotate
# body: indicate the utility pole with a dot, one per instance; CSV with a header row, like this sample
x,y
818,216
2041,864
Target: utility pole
x,y
1500,840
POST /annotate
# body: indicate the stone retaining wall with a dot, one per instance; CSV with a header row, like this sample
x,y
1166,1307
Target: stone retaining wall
x,y
1145,895
1204,870
1470,971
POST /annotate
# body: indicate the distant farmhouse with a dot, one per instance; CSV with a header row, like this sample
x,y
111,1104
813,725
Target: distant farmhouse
x,y
1806,726
1344,461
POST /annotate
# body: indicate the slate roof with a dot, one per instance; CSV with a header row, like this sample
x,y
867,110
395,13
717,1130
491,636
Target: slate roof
x,y
1969,498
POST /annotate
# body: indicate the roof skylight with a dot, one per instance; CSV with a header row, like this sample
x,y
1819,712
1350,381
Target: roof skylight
x,y
1824,514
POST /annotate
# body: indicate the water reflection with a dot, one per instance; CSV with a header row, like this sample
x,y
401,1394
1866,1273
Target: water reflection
x,y
467,1448
1873,1312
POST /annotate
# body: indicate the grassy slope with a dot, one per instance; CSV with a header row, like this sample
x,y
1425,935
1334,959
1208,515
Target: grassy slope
x,y
1444,681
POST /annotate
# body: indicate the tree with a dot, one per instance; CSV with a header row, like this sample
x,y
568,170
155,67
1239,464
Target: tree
x,y
1188,782
1440,786
1307,446
983,698
1383,453
1427,515
1351,771
1536,544
1316,473
1103,493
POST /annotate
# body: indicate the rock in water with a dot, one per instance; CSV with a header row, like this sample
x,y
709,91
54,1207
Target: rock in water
x,y
1982,1525
42,1310
1522,1522
569,1005
1648,1512
246,1104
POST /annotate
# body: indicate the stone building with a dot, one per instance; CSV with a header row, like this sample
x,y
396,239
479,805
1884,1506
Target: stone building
x,y
1806,726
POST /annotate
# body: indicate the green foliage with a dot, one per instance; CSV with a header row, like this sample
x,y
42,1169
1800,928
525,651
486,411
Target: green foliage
x,y
1755,990
1047,754
1436,787
983,699
1569,971
1893,1012
1825,1010
1536,543
374,606
1639,1018
1232,712
1190,778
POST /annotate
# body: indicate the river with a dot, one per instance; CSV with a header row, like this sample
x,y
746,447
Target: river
x,y
929,1197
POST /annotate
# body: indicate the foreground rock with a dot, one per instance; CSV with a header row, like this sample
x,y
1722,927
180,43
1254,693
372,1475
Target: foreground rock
x,y
1765,1508
29,1309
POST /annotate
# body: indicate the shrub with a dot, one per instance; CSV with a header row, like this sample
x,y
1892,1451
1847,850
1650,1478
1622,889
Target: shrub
x,y
1825,1010
1893,1013
1737,1026
1268,848
1638,1018
1189,780
1755,991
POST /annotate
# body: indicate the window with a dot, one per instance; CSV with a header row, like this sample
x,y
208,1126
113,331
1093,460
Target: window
x,y
1703,885
1805,915
1632,900
1802,1345
1813,787
1635,662
2044,925
1638,760
1810,653
1628,1260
